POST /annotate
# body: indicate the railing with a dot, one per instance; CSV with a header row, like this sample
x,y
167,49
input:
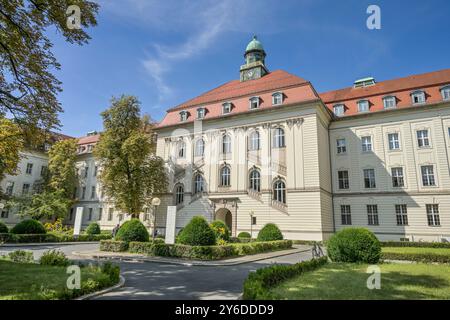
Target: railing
x,y
254,194
280,168
280,206
199,163
255,158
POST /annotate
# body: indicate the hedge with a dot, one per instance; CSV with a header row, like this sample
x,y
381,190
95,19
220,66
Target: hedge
x,y
270,232
113,246
415,244
132,230
50,237
258,283
28,226
418,257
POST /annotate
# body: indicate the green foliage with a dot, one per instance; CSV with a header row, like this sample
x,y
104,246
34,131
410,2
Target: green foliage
x,y
50,237
3,227
258,283
29,226
54,258
354,245
131,174
244,235
221,230
21,256
113,246
197,233
419,254
415,244
93,228
112,270
132,230
11,143
62,168
270,232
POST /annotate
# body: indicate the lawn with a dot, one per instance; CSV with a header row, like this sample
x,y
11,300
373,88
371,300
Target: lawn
x,y
344,281
416,250
22,281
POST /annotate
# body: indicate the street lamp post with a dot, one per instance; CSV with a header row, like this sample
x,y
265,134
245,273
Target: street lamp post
x,y
251,224
155,203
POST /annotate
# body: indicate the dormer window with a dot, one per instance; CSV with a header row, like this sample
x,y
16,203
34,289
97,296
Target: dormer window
x,y
418,97
339,110
254,103
445,91
226,108
389,102
277,98
183,116
363,106
201,113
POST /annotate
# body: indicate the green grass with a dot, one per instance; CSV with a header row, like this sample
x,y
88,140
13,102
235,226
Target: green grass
x,y
437,251
344,281
21,281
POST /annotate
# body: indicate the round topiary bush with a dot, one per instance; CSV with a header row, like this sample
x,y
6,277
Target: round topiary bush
x,y
3,227
93,228
244,234
270,232
221,230
29,226
132,230
354,245
197,233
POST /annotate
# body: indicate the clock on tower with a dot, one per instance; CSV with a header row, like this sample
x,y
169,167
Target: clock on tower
x,y
254,67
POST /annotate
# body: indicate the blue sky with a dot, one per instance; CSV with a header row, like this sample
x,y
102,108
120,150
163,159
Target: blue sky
x,y
166,52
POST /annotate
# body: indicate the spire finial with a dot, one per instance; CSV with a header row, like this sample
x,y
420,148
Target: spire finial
x,y
255,37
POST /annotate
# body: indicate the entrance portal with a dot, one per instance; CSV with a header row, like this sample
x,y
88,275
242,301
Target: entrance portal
x,y
225,215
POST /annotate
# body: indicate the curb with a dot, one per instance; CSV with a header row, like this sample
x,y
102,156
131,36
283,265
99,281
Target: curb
x,y
6,245
101,292
187,263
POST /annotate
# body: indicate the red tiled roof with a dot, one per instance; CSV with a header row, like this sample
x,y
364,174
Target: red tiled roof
x,y
295,89
89,139
401,88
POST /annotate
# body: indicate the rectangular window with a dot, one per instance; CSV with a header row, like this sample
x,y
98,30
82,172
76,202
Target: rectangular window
x,y
4,214
71,214
44,171
366,143
346,215
446,93
389,102
29,169
92,192
369,178
401,212
343,179
277,99
95,171
25,188
83,192
418,97
86,171
363,106
394,141
422,139
398,180
254,103
226,108
110,214
433,215
428,176
9,188
90,214
75,193
341,146
372,215
339,110
200,113
100,213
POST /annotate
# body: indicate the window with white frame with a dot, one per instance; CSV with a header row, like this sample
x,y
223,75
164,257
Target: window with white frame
x,y
201,113
83,193
110,214
9,188
363,105
90,214
341,146
44,170
423,140
369,178
183,116
179,194
226,108
346,215
433,215
29,169
366,143
181,149
199,184
255,180
226,144
372,215
389,102
445,91
25,188
100,213
394,141
401,213
93,192
277,98
254,103
199,148
418,97
225,176
343,179
255,142
278,138
4,214
279,191
398,180
428,176
339,110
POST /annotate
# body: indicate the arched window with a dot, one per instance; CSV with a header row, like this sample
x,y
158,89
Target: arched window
x,y
199,184
200,148
278,138
179,194
226,144
445,91
181,149
363,105
254,143
418,97
255,180
277,98
225,176
279,191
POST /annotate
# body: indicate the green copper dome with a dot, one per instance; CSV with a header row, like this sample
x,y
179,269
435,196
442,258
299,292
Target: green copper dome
x,y
254,45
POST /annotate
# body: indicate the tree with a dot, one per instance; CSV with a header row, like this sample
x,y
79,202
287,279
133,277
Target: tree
x,y
131,174
11,143
28,89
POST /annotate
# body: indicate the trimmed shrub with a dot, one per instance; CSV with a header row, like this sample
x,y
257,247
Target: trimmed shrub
x,y
93,228
29,226
113,246
418,257
3,227
270,232
197,233
415,244
54,258
244,235
21,256
132,230
258,283
354,245
221,230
